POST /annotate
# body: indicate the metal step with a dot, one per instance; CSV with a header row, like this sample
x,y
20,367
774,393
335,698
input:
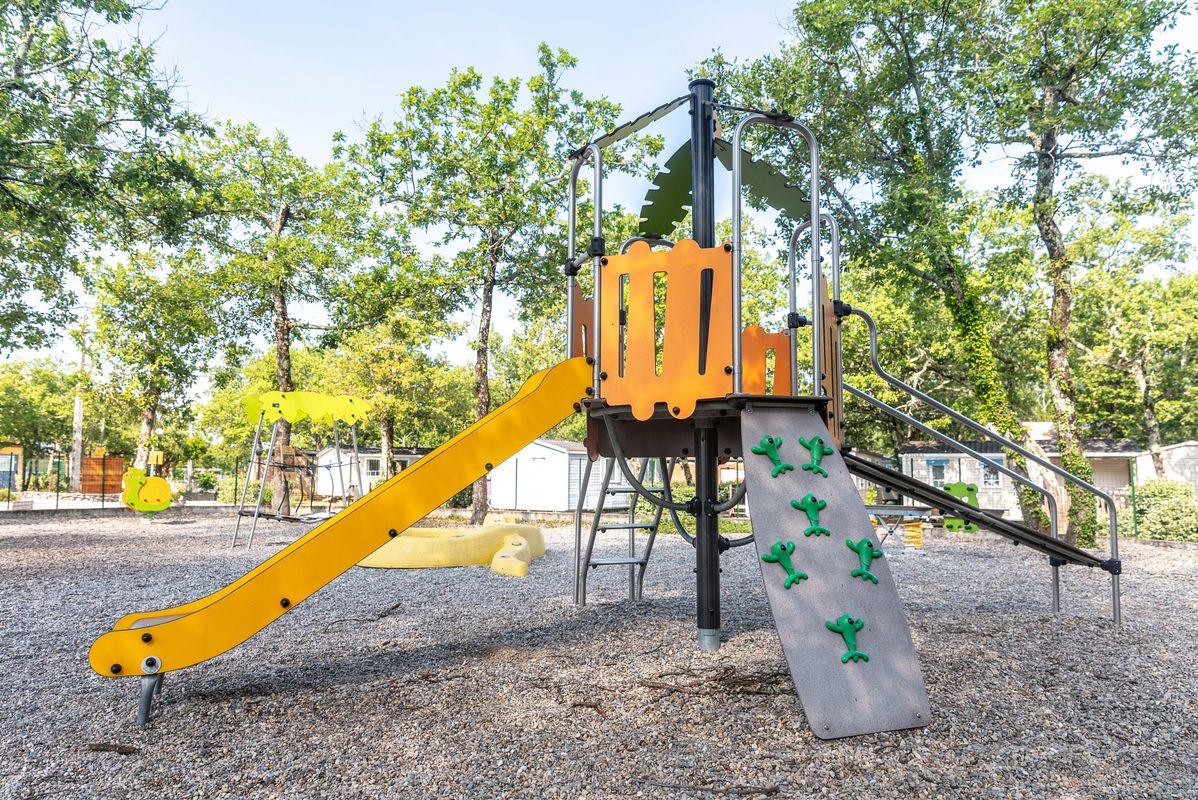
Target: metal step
x,y
631,490
606,562
634,527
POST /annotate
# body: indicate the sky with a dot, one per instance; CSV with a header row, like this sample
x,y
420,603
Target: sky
x,y
313,68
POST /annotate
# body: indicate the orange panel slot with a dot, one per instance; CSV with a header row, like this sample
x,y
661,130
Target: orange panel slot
x,y
584,317
755,353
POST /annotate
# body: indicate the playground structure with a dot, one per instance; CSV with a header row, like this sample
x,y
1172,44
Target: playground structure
x,y
291,407
696,385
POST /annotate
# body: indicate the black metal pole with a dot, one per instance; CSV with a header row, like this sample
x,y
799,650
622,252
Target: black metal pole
x,y
707,539
707,522
702,162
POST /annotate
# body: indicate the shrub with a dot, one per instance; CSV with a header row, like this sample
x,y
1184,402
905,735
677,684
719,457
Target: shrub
x,y
227,492
6,495
462,499
205,481
1164,510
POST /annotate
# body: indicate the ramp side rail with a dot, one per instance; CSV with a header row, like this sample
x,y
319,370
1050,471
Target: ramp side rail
x,y
993,464
1114,566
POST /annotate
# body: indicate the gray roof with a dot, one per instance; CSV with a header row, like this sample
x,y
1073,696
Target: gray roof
x,y
1093,448
564,444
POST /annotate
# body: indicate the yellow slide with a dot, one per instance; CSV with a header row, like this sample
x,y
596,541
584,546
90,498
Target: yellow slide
x,y
161,641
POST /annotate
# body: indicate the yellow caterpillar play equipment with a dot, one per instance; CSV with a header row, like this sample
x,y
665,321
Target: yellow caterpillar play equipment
x,y
697,385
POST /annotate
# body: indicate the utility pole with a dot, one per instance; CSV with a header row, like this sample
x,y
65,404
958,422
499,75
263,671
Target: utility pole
x,y
77,423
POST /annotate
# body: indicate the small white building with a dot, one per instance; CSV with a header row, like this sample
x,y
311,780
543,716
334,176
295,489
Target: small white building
x,y
330,462
546,476
1180,461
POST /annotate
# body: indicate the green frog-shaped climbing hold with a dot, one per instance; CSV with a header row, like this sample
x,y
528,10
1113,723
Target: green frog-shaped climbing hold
x,y
780,553
818,450
847,627
768,446
865,551
812,505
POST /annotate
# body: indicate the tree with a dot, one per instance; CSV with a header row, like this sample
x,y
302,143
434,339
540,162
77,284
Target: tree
x,y
1129,324
286,232
158,321
87,131
416,399
35,405
1062,83
483,171
877,81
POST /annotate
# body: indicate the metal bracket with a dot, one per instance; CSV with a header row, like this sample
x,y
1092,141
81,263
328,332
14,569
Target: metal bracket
x,y
796,320
597,248
1113,566
841,309
1057,562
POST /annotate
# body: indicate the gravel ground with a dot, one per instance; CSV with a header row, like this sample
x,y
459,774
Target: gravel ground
x,y
455,683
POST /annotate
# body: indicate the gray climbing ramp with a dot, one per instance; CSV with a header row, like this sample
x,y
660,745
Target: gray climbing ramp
x,y
840,697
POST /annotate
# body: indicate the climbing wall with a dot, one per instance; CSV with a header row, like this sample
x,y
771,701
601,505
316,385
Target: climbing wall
x,y
829,586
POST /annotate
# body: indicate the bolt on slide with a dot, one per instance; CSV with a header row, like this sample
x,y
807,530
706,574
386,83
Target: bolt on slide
x,y
149,644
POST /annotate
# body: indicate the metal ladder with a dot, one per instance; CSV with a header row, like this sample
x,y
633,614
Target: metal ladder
x,y
584,561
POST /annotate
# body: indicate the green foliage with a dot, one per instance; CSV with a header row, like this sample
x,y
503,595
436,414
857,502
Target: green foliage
x,y
36,405
229,491
462,499
1164,510
205,481
421,397
87,130
7,496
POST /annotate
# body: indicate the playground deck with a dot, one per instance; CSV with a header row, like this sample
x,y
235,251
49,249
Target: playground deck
x,y
466,683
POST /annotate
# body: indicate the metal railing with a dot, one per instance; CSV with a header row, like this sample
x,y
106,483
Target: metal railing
x,y
575,262
960,447
792,266
1112,565
784,123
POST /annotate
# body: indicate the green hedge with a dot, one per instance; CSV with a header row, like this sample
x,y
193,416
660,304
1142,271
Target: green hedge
x,y
228,491
1164,510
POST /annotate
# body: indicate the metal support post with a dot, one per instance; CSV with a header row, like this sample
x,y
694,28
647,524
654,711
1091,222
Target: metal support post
x,y
707,538
707,521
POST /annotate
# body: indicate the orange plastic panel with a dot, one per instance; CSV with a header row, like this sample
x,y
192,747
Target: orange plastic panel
x,y
584,316
682,380
757,344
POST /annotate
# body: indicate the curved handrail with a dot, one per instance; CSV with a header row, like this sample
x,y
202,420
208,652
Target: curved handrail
x,y
574,263
737,200
1114,566
654,241
792,267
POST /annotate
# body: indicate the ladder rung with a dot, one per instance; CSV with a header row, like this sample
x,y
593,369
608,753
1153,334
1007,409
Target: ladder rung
x,y
633,527
631,490
607,562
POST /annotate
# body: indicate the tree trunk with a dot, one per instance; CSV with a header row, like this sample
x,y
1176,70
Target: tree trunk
x,y
145,430
971,321
1083,511
387,439
482,384
282,331
1152,425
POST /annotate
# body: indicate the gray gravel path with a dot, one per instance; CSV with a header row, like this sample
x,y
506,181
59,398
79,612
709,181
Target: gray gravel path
x,y
456,683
